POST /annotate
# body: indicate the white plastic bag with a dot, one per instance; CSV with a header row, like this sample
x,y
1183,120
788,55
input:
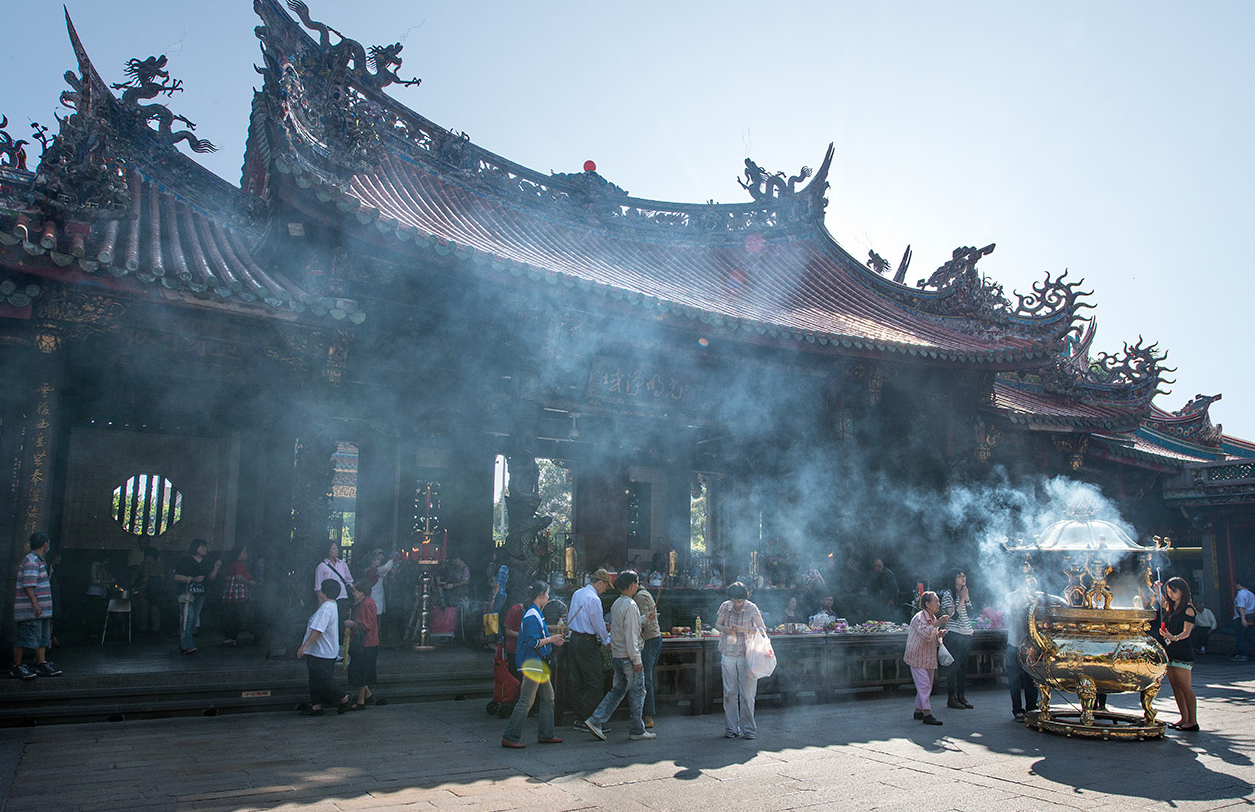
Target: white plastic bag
x,y
944,657
760,658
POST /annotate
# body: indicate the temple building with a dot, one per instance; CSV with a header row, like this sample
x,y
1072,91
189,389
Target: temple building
x,y
341,347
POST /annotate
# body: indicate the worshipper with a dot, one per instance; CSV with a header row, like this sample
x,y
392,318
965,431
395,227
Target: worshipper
x,y
376,572
736,620
625,658
588,633
98,583
152,592
1023,688
1204,625
510,627
926,634
1177,621
499,589
956,603
1243,619
320,649
827,606
335,569
791,611
455,581
651,635
363,630
235,595
882,592
533,656
191,572
32,611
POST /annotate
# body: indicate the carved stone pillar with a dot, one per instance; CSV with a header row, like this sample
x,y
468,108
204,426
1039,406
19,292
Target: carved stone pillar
x,y
37,428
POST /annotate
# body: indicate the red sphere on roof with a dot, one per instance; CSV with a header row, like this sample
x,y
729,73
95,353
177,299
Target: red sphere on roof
x,y
589,166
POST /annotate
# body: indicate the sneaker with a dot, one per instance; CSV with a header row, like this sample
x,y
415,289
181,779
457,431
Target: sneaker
x,y
1238,658
594,729
931,720
21,672
919,714
644,735
730,734
1020,717
748,736
47,670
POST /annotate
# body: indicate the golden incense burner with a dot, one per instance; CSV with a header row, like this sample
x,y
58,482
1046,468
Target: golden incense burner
x,y
1079,644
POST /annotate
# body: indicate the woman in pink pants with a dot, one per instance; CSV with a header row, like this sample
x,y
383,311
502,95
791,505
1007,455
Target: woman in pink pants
x,y
922,641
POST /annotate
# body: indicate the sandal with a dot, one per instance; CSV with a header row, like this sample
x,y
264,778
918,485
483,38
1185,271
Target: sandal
x,y
356,706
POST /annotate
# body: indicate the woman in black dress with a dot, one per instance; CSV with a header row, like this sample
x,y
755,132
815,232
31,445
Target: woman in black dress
x,y
1176,626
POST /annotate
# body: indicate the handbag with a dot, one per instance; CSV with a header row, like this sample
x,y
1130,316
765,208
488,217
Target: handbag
x,y
760,658
944,657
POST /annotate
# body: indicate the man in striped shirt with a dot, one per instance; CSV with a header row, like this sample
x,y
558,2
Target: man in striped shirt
x,y
32,609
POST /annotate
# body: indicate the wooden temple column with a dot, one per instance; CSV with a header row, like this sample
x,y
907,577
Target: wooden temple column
x,y
600,514
32,445
376,494
679,494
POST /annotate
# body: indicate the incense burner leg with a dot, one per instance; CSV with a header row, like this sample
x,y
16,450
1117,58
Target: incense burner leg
x,y
1148,696
1043,702
1087,691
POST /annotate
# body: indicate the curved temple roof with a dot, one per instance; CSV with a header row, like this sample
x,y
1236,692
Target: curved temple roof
x,y
765,267
111,194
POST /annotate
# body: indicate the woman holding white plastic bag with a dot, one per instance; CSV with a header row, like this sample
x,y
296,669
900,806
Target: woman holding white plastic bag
x,y
737,621
922,641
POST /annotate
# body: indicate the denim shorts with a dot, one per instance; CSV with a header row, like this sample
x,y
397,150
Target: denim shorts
x,y
34,633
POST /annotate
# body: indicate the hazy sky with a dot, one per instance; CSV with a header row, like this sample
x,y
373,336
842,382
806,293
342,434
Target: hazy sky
x,y
1108,138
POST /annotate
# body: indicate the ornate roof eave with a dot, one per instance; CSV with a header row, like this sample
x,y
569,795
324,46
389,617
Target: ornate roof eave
x,y
135,207
304,74
1192,423
958,294
327,204
1027,404
156,156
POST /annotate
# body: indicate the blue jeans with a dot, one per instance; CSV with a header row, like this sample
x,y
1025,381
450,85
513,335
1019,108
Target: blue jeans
x,y
527,695
649,657
1020,682
739,692
190,617
626,681
1240,633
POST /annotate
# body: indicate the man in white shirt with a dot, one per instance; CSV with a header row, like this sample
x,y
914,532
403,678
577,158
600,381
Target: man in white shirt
x,y
1243,618
322,643
585,620
625,654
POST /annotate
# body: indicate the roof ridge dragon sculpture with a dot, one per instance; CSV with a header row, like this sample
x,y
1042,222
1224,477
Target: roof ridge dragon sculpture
x,y
374,70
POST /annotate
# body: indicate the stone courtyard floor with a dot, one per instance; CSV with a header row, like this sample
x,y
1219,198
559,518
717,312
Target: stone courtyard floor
x,y
858,753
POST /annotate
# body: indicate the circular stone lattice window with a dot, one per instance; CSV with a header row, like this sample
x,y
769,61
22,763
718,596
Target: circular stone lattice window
x,y
147,504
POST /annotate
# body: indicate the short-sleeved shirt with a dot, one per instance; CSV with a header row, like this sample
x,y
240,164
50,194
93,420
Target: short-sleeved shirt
x,y
235,590
326,620
1180,651
337,571
189,566
34,574
1245,600
733,644
367,619
513,622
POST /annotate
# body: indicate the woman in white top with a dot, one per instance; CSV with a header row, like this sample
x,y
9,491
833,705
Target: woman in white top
x,y
336,570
